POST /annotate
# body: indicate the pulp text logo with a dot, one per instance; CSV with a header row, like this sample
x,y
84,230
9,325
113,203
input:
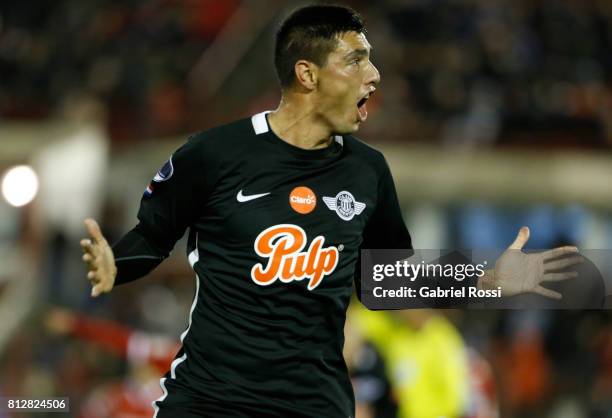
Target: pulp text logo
x,y
302,200
282,245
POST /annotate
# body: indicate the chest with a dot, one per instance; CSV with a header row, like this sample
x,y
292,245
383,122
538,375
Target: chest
x,y
329,199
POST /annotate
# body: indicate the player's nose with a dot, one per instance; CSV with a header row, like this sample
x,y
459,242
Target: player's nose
x,y
373,76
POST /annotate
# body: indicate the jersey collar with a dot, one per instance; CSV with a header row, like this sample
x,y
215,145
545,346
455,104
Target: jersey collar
x,y
260,125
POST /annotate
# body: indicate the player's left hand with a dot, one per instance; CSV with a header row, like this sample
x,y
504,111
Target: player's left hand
x,y
517,272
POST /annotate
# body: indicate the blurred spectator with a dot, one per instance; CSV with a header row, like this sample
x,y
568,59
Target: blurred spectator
x,y
374,397
426,360
149,357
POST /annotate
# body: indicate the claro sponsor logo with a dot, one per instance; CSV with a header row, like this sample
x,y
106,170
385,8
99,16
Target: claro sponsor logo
x,y
283,246
302,200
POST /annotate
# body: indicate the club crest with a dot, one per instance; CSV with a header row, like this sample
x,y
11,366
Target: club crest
x,y
345,205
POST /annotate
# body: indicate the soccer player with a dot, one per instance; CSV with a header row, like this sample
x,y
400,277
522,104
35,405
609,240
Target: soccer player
x,y
277,207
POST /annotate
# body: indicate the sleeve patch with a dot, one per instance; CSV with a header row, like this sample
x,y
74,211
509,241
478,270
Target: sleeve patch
x,y
165,172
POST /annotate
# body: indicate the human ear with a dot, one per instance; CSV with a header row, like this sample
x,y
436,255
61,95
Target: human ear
x,y
306,73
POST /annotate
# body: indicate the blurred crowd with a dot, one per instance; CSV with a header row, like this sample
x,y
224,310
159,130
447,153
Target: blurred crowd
x,y
456,71
405,364
498,70
133,56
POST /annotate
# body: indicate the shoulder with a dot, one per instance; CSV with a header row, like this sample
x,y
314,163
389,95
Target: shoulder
x,y
221,143
223,137
208,151
365,153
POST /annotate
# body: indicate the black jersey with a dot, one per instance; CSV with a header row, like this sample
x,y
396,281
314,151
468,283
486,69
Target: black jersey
x,y
274,238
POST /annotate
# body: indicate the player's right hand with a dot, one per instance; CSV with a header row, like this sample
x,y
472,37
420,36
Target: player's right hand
x,y
99,259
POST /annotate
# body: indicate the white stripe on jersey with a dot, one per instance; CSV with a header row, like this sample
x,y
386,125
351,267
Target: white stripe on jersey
x,y
194,256
260,124
162,382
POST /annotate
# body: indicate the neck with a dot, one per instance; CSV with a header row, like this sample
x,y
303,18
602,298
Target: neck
x,y
295,121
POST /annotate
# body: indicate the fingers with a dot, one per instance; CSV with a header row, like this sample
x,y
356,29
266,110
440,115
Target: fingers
x,y
95,249
521,239
557,277
87,245
551,294
93,229
89,259
562,263
96,291
100,288
98,285
558,252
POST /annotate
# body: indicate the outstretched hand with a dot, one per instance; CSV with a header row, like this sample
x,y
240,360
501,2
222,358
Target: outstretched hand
x,y
518,272
99,258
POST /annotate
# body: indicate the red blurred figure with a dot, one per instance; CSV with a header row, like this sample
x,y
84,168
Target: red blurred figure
x,y
148,356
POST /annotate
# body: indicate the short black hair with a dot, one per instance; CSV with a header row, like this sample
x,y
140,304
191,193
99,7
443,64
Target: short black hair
x,y
311,33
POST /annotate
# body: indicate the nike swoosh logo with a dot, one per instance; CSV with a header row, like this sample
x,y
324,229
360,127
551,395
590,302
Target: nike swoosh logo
x,y
242,198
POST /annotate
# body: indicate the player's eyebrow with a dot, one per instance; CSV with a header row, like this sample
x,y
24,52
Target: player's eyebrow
x,y
360,52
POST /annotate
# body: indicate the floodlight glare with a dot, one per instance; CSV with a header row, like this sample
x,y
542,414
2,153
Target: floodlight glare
x,y
19,185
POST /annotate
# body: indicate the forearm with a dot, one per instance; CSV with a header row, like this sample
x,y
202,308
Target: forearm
x,y
135,256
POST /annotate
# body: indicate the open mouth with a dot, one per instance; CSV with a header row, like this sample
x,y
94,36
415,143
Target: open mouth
x,y
362,101
361,107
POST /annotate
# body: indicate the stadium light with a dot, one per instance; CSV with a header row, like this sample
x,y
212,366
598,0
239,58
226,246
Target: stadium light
x,y
19,185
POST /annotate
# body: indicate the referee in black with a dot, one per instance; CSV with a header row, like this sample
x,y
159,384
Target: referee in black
x,y
277,207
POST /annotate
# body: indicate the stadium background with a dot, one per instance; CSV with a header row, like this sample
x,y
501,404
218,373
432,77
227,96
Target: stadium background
x,y
493,114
